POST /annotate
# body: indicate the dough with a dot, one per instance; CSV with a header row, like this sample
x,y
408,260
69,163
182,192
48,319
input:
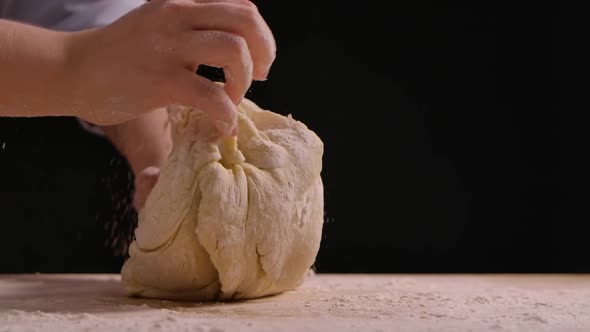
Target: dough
x,y
233,219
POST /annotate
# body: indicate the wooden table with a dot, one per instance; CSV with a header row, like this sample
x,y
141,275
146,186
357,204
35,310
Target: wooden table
x,y
324,303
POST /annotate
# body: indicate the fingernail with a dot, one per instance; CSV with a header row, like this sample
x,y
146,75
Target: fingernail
x,y
234,132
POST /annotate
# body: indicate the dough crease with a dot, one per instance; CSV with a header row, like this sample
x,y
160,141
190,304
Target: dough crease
x,y
232,218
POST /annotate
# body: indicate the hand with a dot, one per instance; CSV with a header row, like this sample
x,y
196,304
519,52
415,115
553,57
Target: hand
x,y
144,183
146,144
148,59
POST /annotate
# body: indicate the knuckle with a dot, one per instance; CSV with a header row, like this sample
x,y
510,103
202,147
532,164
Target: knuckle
x,y
256,28
250,4
173,8
235,43
251,15
250,19
272,52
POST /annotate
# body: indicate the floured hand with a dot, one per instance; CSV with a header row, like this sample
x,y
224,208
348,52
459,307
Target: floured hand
x,y
144,61
148,59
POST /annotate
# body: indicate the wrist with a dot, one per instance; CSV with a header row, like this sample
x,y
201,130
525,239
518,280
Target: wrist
x,y
144,142
76,81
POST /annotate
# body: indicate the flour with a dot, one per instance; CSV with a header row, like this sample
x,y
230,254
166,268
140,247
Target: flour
x,y
323,303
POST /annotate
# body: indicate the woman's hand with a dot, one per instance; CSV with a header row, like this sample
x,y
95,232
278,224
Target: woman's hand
x,y
144,183
146,143
148,59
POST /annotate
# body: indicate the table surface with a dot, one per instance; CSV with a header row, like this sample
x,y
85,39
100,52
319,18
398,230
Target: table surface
x,y
44,302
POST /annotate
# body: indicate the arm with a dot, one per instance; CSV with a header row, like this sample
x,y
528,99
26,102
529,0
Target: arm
x,y
145,141
33,75
143,61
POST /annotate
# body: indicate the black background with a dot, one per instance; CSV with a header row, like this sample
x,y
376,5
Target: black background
x,y
449,146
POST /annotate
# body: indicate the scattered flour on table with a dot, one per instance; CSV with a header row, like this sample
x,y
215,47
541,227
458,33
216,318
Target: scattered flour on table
x,y
326,303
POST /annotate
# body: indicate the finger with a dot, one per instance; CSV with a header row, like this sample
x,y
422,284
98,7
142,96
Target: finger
x,y
209,97
223,50
237,2
144,183
242,20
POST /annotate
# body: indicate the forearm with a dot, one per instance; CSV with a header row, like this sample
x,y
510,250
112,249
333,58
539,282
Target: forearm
x,y
34,78
145,141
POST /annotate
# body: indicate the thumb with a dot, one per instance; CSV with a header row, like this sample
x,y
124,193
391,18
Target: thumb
x,y
144,183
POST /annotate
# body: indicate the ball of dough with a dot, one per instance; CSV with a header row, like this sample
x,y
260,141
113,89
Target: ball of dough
x,y
236,218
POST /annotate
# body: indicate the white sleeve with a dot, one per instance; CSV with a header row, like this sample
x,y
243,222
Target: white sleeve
x,y
67,15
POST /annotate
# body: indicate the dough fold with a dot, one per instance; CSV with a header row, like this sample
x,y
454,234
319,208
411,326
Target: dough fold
x,y
238,218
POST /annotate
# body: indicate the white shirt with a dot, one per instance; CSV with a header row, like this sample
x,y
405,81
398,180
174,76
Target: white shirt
x,y
66,15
